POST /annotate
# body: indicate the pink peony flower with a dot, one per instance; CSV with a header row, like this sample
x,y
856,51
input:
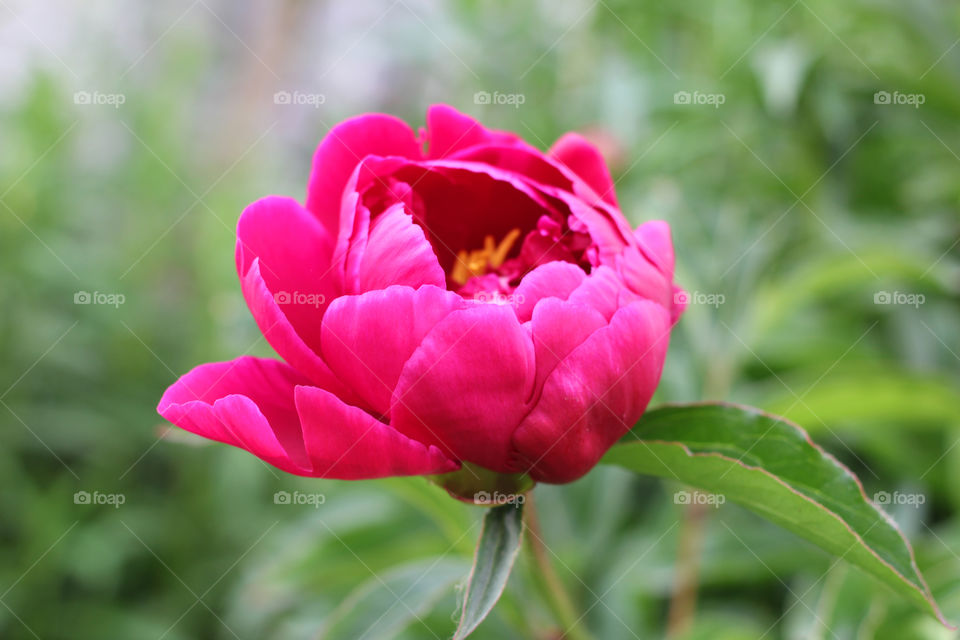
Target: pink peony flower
x,y
453,298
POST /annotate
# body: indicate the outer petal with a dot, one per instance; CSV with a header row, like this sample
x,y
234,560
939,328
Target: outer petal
x,y
367,339
553,279
653,237
558,327
342,150
464,389
282,257
247,403
584,159
595,394
348,443
449,131
397,252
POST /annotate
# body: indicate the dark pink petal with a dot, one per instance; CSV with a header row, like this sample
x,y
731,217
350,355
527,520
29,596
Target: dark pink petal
x,y
553,279
342,150
595,394
653,238
643,278
397,252
558,327
464,389
368,338
247,403
348,443
601,290
281,335
580,156
449,131
283,258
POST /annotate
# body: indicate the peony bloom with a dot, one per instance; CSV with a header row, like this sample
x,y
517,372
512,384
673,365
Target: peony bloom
x,y
453,299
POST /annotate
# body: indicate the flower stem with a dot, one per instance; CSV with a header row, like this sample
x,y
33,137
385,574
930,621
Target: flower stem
x,y
556,593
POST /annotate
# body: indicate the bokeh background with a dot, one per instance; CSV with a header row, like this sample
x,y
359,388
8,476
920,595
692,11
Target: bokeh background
x,y
816,226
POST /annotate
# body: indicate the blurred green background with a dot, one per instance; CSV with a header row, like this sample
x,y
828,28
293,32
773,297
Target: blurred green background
x,y
816,226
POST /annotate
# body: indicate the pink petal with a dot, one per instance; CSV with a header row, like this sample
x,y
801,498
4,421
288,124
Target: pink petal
x,y
397,252
643,278
283,258
282,336
653,237
575,152
368,338
348,443
464,389
553,279
449,131
341,151
247,403
601,290
595,394
558,327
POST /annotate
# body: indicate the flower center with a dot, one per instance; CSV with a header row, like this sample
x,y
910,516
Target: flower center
x,y
490,257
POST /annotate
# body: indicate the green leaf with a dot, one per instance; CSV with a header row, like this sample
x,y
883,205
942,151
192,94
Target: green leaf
x,y
496,552
388,603
771,466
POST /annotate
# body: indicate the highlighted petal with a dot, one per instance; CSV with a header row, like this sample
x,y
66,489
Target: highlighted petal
x,y
465,388
580,156
367,339
553,279
348,443
397,252
342,150
247,403
449,131
595,394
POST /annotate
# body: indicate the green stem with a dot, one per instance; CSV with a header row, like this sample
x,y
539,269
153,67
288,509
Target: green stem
x,y
556,593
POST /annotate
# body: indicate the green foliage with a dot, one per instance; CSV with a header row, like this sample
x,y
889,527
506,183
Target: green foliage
x,y
798,199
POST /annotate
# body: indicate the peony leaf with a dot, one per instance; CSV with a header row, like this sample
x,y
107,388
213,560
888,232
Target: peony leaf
x,y
384,606
496,552
770,466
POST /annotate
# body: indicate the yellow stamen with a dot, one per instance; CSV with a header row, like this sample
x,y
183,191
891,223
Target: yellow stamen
x,y
476,262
